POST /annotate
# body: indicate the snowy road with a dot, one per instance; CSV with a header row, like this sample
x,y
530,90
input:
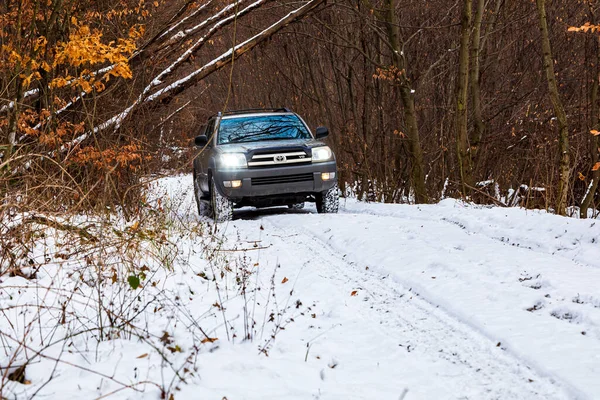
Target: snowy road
x,y
445,301
430,352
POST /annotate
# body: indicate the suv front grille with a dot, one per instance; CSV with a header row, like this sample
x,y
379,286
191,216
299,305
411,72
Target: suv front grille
x,y
279,159
273,180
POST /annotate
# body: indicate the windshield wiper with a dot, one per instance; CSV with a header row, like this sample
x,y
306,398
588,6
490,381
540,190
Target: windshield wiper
x,y
281,138
242,138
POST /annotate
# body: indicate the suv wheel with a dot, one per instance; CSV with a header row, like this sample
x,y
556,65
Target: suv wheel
x,y
297,206
203,206
328,201
222,207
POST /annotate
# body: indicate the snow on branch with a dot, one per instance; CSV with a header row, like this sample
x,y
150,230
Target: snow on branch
x,y
183,20
11,104
166,93
200,42
185,33
225,58
116,121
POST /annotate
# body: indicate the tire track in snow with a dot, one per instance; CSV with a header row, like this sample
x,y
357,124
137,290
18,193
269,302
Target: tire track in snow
x,y
504,235
563,304
572,302
387,307
423,327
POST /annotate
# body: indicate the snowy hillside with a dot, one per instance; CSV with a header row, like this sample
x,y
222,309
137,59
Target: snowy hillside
x,y
442,301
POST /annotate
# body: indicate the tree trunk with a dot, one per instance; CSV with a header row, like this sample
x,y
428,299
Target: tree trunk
x,y
593,185
14,117
559,111
462,86
474,74
408,103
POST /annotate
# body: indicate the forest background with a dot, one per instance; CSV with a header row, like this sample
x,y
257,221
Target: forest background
x,y
491,100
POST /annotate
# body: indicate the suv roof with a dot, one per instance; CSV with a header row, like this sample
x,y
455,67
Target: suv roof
x,y
252,111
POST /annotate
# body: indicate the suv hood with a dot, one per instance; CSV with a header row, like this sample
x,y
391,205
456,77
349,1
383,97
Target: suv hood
x,y
269,144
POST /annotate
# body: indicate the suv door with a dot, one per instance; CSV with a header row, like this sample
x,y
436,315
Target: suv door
x,y
202,160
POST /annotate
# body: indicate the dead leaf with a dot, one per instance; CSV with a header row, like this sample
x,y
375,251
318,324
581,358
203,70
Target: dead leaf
x,y
209,340
143,355
596,166
284,280
166,338
174,349
595,132
114,276
354,293
581,176
18,375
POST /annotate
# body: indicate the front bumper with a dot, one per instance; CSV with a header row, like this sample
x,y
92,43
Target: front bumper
x,y
256,182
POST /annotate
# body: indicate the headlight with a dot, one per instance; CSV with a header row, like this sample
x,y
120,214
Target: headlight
x,y
233,160
321,154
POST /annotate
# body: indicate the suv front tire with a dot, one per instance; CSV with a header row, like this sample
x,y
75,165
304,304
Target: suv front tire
x,y
328,202
203,206
222,207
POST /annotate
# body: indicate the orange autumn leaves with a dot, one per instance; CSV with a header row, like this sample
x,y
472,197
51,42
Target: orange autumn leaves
x,y
86,49
60,64
128,156
587,27
83,51
33,123
391,74
67,66
26,66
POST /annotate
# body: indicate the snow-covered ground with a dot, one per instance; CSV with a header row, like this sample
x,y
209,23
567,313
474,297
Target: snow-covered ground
x,y
446,301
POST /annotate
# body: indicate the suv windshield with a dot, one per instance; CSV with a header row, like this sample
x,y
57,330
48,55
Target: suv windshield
x,y
262,127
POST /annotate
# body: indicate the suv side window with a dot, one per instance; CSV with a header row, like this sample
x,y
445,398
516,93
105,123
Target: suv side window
x,y
209,131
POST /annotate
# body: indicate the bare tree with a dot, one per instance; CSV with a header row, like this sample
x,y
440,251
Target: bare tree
x,y
559,111
475,75
462,87
594,146
408,103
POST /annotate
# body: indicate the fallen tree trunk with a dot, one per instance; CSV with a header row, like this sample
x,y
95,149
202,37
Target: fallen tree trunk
x,y
165,95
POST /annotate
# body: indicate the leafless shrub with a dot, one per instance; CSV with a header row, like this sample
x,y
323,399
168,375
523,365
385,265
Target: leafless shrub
x,y
91,284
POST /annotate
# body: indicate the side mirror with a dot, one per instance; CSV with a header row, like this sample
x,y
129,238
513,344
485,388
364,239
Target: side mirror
x,y
322,132
201,140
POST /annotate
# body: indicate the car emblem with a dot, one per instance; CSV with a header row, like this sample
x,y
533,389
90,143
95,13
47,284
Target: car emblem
x,y
280,159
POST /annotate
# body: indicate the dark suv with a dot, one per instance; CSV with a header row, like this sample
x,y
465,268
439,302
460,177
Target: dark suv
x,y
262,158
